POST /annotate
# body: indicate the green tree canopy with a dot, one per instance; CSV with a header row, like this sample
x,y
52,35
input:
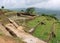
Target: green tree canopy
x,y
2,7
30,10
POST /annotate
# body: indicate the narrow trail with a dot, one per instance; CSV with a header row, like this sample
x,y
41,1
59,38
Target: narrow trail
x,y
22,34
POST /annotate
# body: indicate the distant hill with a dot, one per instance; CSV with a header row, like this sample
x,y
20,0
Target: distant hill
x,y
18,9
40,11
46,11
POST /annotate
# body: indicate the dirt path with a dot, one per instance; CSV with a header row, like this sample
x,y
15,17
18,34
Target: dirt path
x,y
21,34
7,39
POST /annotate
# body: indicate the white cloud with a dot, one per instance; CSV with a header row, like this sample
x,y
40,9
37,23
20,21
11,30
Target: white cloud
x,y
12,3
51,4
32,1
18,3
9,3
48,4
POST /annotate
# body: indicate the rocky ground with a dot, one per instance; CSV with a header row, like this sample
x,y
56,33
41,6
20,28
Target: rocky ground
x,y
12,29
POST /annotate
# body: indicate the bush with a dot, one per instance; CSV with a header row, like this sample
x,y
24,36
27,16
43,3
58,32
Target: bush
x,y
49,16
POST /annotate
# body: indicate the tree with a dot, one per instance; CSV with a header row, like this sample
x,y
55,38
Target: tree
x,y
30,10
52,16
22,10
2,7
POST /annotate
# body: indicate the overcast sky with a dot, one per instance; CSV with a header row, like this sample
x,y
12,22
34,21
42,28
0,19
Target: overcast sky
x,y
48,4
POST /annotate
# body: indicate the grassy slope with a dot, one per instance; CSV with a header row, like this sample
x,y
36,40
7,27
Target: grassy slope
x,y
3,19
34,22
43,31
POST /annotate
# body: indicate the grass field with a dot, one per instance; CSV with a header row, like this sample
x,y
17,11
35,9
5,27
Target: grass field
x,y
43,31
